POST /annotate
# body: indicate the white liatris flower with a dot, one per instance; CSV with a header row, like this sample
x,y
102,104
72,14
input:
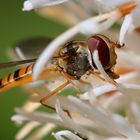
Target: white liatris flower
x,y
95,114
130,22
94,118
91,25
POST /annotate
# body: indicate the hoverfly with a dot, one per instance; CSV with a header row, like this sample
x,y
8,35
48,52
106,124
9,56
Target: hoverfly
x,y
72,61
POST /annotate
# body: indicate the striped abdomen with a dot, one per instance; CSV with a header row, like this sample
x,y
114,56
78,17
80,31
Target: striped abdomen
x,y
19,77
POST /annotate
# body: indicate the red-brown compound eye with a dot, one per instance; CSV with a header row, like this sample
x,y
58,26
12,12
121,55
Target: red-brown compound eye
x,y
97,43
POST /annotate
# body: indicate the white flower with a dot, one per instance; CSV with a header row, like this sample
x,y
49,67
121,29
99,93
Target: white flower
x,y
95,119
130,22
91,121
91,25
95,114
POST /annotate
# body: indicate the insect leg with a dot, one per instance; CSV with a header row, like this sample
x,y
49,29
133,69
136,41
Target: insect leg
x,y
53,93
70,78
111,75
98,75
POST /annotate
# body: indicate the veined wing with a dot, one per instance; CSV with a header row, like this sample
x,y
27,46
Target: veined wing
x,y
29,48
16,63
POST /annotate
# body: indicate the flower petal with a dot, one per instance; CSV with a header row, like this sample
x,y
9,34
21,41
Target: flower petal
x,y
59,135
33,4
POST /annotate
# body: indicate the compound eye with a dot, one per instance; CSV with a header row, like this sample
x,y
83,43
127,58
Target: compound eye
x,y
97,43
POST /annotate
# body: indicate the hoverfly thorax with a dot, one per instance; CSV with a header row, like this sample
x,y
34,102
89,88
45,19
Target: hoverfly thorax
x,y
76,58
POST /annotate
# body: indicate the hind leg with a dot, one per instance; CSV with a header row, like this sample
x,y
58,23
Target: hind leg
x,y
53,93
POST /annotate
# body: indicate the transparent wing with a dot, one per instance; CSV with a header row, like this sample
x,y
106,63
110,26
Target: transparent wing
x,y
32,47
16,63
26,50
29,48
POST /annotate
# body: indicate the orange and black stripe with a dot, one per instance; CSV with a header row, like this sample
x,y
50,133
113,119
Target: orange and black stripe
x,y
24,75
19,77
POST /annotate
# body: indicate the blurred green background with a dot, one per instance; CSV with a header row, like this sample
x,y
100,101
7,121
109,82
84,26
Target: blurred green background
x,y
14,26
